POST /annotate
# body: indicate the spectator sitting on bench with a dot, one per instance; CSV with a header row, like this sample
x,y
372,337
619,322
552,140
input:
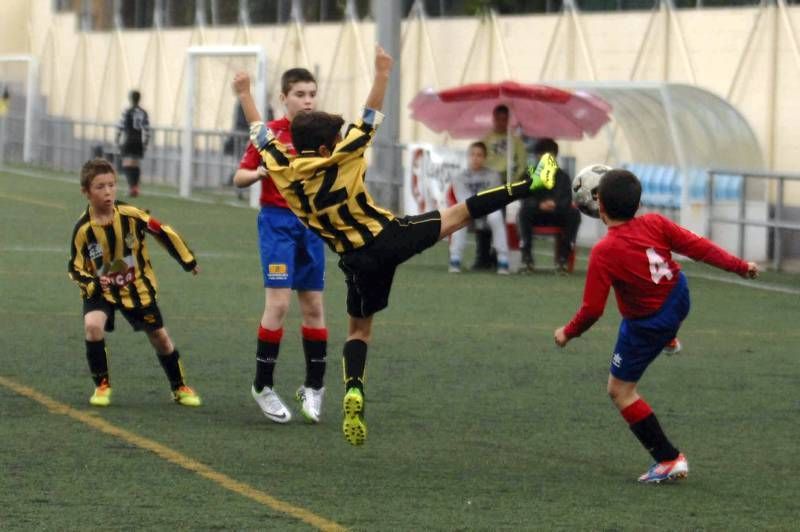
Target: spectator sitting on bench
x,y
475,178
549,208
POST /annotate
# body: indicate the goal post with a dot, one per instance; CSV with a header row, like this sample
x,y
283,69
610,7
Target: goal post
x,y
193,55
19,75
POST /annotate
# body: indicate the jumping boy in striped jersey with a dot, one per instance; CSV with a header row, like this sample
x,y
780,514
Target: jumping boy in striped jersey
x,y
324,185
110,262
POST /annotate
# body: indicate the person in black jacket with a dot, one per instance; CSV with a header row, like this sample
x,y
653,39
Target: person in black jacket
x,y
133,135
549,207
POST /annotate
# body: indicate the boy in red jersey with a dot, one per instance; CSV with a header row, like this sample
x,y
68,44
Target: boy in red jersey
x,y
292,258
653,298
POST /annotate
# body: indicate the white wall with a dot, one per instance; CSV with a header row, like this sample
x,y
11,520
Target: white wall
x,y
88,75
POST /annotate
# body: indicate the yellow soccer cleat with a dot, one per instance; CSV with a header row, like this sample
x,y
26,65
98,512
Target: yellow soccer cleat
x,y
354,428
186,396
543,175
101,395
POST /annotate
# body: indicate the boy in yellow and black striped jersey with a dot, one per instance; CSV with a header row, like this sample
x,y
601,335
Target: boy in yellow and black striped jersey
x,y
110,262
324,185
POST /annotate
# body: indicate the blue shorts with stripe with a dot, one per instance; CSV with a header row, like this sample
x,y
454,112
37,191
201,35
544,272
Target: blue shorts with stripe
x,y
641,340
292,256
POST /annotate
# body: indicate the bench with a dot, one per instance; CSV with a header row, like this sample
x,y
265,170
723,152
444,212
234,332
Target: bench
x,y
662,185
542,230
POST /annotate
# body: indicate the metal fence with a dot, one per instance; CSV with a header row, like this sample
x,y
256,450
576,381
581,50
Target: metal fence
x,y
65,145
780,220
12,133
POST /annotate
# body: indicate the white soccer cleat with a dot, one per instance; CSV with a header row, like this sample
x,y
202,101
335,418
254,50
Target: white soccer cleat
x,y
665,471
271,404
311,402
674,346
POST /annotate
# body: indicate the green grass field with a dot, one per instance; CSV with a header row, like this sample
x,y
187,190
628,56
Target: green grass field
x,y
476,420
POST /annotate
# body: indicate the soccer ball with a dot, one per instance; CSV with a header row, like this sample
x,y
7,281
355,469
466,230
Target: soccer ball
x,y
584,189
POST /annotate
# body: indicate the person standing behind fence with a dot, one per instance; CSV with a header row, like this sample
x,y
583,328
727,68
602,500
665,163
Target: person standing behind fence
x,y
292,258
475,178
133,134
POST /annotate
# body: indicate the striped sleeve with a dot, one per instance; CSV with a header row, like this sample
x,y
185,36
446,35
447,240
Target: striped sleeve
x,y
169,238
358,137
276,157
79,266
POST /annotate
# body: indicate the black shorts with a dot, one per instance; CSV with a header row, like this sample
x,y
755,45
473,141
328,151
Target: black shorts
x,y
148,318
132,150
369,270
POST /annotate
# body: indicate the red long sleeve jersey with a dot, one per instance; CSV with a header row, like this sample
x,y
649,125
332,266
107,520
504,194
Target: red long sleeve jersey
x,y
635,258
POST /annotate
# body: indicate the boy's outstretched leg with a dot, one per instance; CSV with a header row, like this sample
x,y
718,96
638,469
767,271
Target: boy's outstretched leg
x,y
670,464
543,176
354,365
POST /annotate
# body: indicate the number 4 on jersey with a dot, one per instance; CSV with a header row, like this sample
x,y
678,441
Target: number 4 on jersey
x,y
658,266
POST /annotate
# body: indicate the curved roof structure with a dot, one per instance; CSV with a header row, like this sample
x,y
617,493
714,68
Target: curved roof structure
x,y
674,133
680,125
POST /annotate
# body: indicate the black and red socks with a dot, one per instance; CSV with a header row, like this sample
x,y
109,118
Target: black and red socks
x,y
315,348
644,425
269,343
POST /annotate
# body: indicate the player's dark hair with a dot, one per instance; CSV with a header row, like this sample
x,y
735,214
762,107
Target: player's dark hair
x,y
93,168
134,96
313,129
294,75
502,108
620,192
543,146
481,145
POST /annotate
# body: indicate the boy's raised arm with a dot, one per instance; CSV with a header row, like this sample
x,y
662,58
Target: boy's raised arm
x,y
241,87
383,67
259,133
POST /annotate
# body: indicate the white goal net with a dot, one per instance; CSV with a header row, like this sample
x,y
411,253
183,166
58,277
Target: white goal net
x,y
19,101
211,140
